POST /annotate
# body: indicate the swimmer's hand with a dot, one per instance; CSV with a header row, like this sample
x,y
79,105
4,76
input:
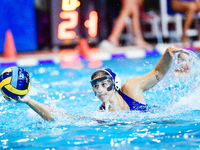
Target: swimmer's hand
x,y
25,99
172,50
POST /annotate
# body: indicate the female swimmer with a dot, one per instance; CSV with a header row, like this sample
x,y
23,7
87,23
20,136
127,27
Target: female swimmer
x,y
106,86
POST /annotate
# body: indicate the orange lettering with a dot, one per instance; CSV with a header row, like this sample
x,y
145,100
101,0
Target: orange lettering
x,y
92,23
68,5
64,26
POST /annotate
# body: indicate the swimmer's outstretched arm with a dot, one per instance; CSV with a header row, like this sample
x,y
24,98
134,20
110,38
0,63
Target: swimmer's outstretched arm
x,y
162,67
41,109
135,86
45,111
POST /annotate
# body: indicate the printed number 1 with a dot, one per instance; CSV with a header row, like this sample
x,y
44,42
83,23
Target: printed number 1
x,y
92,23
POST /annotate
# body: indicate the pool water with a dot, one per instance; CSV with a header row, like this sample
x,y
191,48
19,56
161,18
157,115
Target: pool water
x,y
173,124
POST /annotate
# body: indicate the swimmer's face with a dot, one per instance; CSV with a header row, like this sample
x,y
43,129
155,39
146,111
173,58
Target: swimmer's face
x,y
185,62
101,88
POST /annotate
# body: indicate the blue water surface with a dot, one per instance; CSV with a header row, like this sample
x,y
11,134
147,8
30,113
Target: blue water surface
x,y
173,124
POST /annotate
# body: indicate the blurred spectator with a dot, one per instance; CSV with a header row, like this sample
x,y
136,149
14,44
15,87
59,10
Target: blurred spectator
x,y
113,8
129,8
189,7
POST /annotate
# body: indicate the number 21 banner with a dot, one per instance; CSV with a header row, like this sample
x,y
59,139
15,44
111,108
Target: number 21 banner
x,y
66,24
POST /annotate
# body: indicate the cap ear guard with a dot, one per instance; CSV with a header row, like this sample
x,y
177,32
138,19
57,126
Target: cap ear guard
x,y
116,79
117,83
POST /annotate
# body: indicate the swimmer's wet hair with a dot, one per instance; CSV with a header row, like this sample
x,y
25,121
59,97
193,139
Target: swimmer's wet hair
x,y
99,72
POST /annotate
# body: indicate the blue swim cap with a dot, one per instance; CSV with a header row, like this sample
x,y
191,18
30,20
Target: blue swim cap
x,y
116,79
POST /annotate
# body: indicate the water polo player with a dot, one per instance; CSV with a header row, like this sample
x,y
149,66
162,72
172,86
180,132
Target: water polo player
x,y
106,86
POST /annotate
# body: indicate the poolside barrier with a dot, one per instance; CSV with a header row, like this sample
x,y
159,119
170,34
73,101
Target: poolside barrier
x,y
196,45
9,51
74,58
70,59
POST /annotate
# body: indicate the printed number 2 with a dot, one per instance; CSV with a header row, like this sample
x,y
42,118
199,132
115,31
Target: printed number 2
x,y
71,23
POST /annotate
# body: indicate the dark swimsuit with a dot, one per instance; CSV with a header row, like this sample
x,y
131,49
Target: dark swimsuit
x,y
133,105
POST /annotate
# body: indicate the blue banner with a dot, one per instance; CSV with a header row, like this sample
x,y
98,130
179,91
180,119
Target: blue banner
x,y
19,17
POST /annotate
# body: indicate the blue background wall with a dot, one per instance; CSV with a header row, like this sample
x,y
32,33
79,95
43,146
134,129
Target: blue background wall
x,y
19,17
